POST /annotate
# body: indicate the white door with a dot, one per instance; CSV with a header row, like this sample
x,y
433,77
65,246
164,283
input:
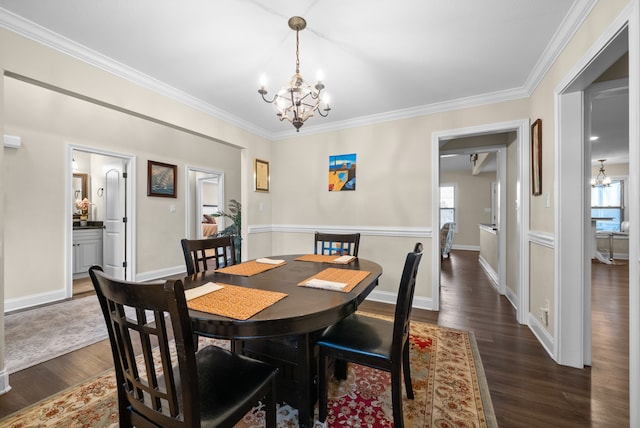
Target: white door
x,y
114,237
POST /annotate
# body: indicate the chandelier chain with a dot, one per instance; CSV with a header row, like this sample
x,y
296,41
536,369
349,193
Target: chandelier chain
x,y
297,51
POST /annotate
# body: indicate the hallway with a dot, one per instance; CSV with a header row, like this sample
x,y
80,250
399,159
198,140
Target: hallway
x,y
528,388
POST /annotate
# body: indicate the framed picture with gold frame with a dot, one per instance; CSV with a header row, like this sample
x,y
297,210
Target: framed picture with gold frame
x,y
261,175
536,158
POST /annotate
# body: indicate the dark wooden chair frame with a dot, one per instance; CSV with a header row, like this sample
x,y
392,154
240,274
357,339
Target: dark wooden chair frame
x,y
337,243
341,341
222,252
178,391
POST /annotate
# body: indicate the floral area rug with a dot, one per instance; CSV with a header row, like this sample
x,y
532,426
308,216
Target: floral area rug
x,y
448,382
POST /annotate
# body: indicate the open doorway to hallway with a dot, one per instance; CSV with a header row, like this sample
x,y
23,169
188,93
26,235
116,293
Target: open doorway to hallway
x,y
507,141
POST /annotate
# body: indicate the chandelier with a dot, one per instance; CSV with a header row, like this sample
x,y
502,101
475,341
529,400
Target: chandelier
x,y
601,180
297,101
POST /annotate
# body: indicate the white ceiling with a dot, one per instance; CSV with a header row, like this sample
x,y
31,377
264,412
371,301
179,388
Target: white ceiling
x,y
380,59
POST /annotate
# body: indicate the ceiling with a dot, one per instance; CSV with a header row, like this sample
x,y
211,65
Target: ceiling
x,y
381,60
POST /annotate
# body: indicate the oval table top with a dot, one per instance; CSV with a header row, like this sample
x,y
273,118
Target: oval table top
x,y
304,309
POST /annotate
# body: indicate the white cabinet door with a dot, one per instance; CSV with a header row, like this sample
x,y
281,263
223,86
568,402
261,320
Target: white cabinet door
x,y
87,250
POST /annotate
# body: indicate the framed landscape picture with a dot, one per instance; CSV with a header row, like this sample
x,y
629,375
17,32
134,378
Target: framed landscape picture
x,y
161,179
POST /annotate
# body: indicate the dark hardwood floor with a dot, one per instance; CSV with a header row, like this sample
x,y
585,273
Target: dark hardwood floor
x,y
527,388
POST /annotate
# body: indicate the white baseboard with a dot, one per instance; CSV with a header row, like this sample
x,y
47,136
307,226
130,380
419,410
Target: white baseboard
x,y
391,298
544,337
4,382
465,247
160,273
11,305
512,298
493,275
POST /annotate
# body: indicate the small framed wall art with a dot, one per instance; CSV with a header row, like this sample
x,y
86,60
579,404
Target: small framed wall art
x,y
536,158
261,175
342,172
161,179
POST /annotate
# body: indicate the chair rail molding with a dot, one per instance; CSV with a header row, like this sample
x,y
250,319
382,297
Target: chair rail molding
x,y
545,239
395,231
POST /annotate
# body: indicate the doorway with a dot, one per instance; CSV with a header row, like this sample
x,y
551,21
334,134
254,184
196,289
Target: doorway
x,y
205,196
573,346
519,130
109,191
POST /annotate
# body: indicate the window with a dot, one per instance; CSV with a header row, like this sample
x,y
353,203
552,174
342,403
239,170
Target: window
x,y
608,202
447,204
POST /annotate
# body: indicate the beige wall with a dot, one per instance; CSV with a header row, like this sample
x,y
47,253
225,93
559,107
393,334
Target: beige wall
x,y
541,105
393,193
151,127
474,198
393,197
47,122
489,248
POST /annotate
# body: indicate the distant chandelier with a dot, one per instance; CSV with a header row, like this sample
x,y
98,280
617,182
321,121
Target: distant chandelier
x,y
601,180
297,101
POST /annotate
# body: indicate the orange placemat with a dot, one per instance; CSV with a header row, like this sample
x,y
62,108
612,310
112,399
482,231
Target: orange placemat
x,y
249,268
322,258
235,302
349,276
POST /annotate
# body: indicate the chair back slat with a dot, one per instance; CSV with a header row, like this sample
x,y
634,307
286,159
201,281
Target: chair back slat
x,y
337,243
156,387
210,253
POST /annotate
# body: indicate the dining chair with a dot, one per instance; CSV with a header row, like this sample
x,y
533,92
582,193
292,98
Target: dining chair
x,y
208,253
337,243
158,387
374,342
446,239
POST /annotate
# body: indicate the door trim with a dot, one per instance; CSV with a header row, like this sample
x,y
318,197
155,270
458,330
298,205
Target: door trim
x,y
130,227
521,128
190,201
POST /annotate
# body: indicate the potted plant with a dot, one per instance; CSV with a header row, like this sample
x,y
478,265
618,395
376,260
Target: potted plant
x,y
234,213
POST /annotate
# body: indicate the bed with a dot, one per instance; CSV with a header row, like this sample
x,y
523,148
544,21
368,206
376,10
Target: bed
x,y
209,226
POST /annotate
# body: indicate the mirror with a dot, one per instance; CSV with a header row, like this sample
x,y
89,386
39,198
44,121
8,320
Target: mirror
x,y
79,190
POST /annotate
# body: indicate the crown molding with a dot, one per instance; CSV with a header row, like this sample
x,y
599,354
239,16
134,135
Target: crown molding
x,y
461,103
566,30
55,41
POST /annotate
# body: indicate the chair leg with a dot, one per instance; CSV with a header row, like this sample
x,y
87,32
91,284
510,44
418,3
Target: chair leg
x,y
406,369
270,403
237,346
340,369
322,387
396,396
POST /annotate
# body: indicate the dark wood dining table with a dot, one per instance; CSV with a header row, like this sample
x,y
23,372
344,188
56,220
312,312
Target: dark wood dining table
x,y
284,333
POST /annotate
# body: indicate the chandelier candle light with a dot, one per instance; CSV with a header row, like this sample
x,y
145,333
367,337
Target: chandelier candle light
x,y
601,180
297,101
